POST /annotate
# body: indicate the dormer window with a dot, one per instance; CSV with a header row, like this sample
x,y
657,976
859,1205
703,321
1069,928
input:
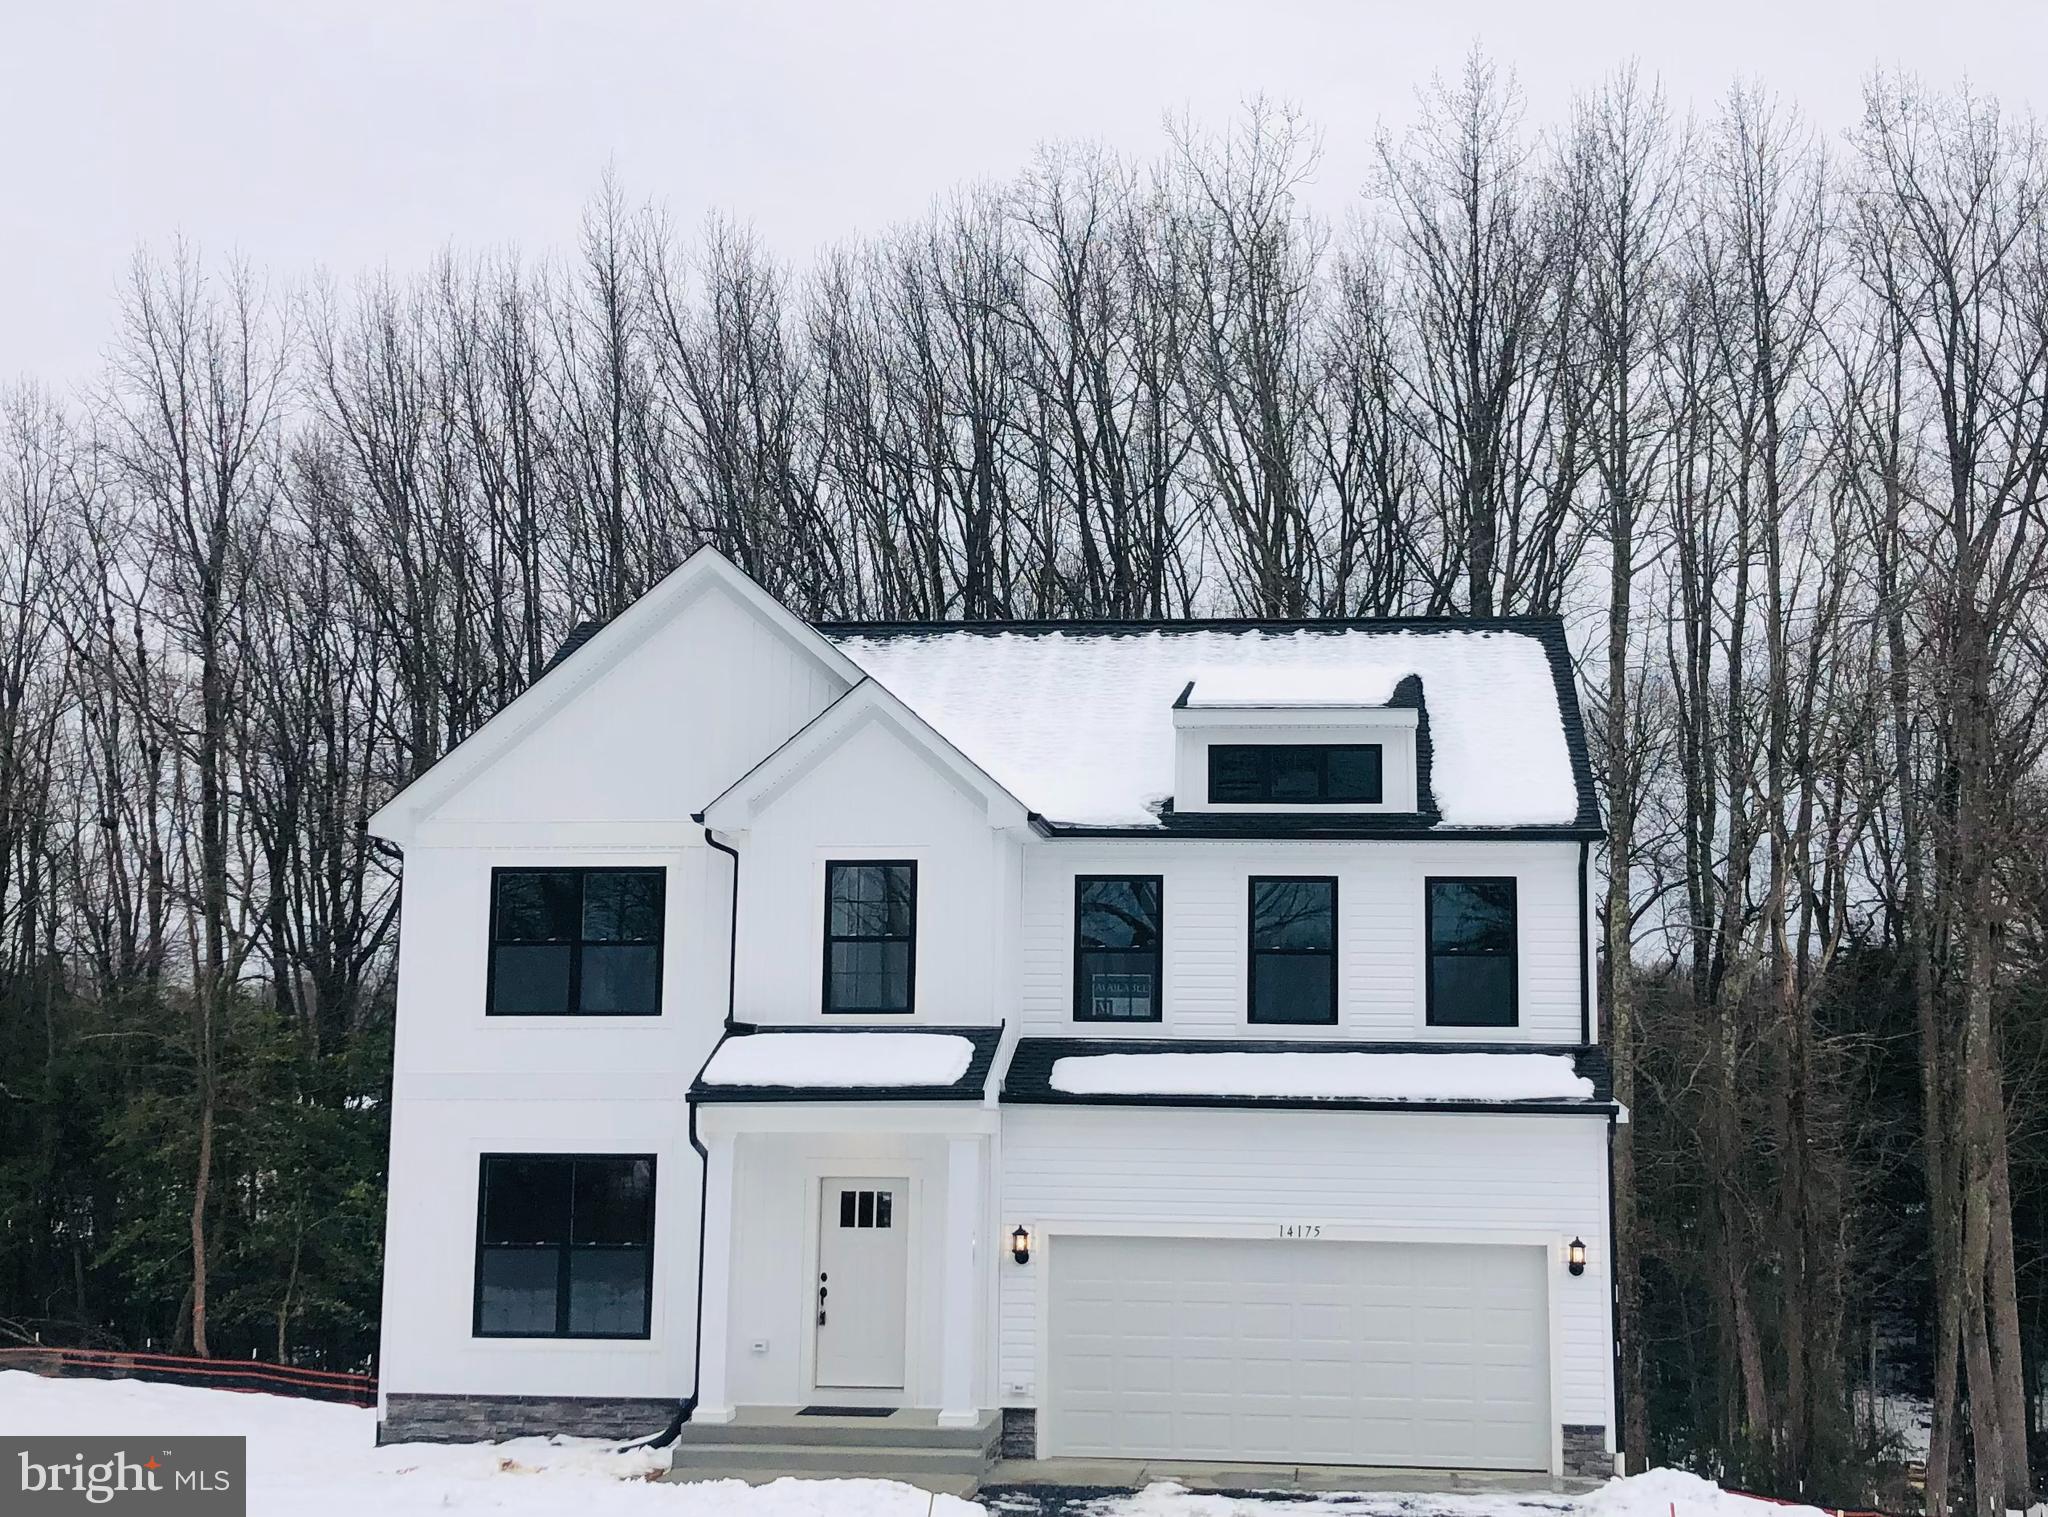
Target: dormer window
x,y
1294,774
1255,741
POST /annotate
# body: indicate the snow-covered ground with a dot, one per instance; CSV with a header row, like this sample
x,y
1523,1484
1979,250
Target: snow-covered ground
x,y
1660,1493
308,1459
1907,1422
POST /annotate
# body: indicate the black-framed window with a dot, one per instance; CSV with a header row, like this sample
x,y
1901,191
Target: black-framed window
x,y
871,937
564,1246
1118,924
1471,927
1294,774
1292,976
576,942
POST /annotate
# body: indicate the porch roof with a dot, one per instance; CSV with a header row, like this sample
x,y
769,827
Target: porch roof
x,y
827,1064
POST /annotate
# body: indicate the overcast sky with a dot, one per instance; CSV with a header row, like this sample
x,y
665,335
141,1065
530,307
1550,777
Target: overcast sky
x,y
344,134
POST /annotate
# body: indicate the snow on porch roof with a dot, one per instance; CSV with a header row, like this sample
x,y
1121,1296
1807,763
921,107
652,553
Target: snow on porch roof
x,y
1319,1076
1239,1072
1076,720
845,1063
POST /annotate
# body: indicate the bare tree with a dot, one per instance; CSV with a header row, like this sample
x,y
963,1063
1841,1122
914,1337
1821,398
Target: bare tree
x,y
199,388
1479,258
1624,175
1248,390
1949,241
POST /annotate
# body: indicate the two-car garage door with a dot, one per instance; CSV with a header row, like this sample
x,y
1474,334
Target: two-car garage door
x,y
1304,1351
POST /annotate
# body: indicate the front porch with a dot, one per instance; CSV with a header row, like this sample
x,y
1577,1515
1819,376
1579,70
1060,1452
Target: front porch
x,y
847,1264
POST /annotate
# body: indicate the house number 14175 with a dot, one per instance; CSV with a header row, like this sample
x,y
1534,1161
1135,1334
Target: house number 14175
x,y
1301,1229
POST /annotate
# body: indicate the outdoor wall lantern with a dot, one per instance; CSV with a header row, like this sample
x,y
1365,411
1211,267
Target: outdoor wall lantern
x,y
1020,1245
1575,1256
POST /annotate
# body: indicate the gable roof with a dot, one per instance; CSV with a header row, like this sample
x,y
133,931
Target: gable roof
x,y
1074,718
867,702
1071,721
588,651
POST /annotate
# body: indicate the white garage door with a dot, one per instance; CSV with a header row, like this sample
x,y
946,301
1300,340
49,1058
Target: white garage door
x,y
1312,1352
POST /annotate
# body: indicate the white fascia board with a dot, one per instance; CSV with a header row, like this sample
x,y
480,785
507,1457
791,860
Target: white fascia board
x,y
1290,718
398,819
857,1118
867,702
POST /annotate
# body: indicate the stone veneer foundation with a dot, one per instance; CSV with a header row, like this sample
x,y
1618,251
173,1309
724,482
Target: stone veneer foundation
x,y
1020,1433
412,1418
1585,1452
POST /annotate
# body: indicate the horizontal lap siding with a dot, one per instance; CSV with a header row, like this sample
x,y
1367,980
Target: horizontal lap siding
x,y
1381,950
1469,1175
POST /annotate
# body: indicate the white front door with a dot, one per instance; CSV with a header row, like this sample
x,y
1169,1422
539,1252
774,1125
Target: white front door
x,y
863,1253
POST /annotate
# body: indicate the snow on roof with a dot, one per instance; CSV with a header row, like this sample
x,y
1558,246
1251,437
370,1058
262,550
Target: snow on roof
x,y
837,1059
1079,725
1314,686
1327,1076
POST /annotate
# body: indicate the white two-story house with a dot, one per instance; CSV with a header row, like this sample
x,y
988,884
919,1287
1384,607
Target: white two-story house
x,y
1156,1042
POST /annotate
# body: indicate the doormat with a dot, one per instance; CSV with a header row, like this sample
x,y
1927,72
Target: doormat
x,y
846,1411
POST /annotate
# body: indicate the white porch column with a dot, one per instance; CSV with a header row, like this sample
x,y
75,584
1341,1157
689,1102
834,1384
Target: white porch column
x,y
714,1396
960,1309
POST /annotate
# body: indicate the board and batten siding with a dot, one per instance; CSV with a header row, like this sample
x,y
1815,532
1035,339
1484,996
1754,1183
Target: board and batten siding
x,y
437,1138
467,1084
608,780
771,1324
656,736
1437,1176
447,1044
1381,945
876,795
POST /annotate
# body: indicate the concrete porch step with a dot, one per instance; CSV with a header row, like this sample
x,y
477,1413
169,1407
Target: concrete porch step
x,y
901,1462
762,1426
764,1443
963,1486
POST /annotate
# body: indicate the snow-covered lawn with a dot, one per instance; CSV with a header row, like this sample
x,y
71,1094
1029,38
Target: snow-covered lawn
x,y
308,1459
1660,1493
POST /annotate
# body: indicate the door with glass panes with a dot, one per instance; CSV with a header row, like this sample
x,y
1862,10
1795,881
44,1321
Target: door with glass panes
x,y
863,1256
